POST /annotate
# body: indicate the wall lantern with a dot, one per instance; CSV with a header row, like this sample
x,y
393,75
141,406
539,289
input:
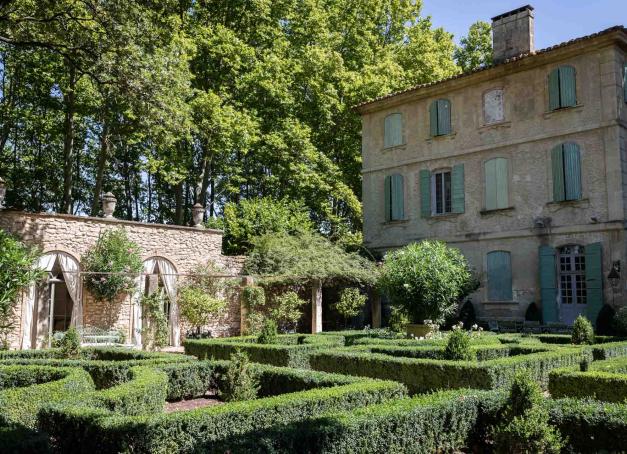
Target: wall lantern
x,y
614,274
3,192
108,205
198,213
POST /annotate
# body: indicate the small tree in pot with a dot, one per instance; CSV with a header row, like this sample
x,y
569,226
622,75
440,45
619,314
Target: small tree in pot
x,y
426,280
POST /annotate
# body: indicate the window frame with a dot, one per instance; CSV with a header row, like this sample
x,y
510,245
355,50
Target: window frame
x,y
385,130
507,182
485,94
434,196
560,101
438,126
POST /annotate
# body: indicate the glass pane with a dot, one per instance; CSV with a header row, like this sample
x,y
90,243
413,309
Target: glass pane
x,y
438,193
447,192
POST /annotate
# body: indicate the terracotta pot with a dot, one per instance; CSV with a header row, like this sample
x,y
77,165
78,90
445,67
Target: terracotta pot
x,y
418,330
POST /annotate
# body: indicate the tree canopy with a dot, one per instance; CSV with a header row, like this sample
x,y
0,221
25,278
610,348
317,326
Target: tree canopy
x,y
475,49
172,103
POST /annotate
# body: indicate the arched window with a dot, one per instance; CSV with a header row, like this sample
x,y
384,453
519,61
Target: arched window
x,y
493,110
562,88
566,170
440,117
394,198
499,276
496,184
393,130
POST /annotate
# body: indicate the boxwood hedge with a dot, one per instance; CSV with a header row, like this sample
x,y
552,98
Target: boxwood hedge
x,y
606,380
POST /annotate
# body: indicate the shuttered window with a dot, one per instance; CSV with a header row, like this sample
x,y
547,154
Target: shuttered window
x,y
566,170
493,111
496,184
440,117
562,88
393,130
548,288
499,276
394,198
447,191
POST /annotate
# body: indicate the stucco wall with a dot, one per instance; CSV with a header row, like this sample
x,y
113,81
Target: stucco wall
x,y
185,247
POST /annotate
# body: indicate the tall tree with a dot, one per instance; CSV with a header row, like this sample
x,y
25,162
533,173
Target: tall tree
x,y
475,49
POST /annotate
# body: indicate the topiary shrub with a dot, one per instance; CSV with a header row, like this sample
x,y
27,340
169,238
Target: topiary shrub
x,y
525,427
532,314
426,280
620,321
583,333
197,307
70,344
269,332
240,381
287,310
458,346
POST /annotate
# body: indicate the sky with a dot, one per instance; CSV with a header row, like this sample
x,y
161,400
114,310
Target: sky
x,y
556,21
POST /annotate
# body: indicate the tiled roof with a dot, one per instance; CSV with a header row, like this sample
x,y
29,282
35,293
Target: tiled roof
x,y
616,28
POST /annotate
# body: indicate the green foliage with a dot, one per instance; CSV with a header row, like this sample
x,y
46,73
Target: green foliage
x,y
425,280
254,299
287,310
155,332
604,380
620,321
458,346
70,345
119,261
17,271
476,48
197,307
255,217
398,319
351,302
240,381
285,259
583,332
269,332
524,395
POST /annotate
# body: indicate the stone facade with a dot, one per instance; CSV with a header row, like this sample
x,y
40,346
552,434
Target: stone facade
x,y
525,137
185,247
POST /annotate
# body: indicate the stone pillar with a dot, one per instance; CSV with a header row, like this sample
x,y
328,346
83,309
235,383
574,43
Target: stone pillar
x,y
247,281
316,306
375,307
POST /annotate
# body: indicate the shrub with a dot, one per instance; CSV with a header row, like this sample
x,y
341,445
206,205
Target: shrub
x,y
458,346
70,344
269,332
240,381
620,321
426,280
114,261
398,319
197,307
287,310
155,332
351,302
582,331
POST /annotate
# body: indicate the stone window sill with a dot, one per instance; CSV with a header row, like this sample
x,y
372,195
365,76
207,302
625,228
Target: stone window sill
x,y
496,211
450,136
443,216
581,203
496,125
399,222
395,147
575,108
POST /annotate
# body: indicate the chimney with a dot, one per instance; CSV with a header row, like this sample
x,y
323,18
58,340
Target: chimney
x,y
512,34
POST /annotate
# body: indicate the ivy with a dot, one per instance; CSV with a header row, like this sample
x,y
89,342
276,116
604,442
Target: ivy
x,y
155,328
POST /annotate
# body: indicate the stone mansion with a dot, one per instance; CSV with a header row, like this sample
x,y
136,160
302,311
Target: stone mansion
x,y
522,165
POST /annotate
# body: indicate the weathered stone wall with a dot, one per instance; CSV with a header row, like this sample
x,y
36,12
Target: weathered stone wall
x,y
525,137
185,247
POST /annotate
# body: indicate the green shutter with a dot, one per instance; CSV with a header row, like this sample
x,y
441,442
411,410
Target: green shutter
x,y
393,130
568,90
433,118
499,276
457,187
572,171
554,89
398,202
594,281
548,290
557,164
490,185
502,183
388,198
444,117
425,193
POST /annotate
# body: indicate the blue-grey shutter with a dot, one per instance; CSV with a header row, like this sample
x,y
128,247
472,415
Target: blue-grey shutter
x,y
572,171
594,281
398,202
457,189
433,118
568,86
388,197
444,117
499,276
548,290
557,165
554,89
502,183
425,193
393,130
490,184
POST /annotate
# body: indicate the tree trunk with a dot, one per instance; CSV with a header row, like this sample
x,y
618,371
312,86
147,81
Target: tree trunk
x,y
178,196
102,162
68,140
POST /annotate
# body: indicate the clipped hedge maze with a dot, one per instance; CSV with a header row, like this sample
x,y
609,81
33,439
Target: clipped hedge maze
x,y
605,380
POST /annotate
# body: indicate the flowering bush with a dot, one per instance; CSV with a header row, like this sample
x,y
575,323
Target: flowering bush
x,y
114,261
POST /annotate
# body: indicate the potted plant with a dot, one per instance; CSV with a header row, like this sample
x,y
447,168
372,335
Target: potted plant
x,y
424,281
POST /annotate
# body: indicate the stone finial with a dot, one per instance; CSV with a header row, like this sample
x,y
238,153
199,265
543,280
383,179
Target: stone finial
x,y
3,192
198,212
108,205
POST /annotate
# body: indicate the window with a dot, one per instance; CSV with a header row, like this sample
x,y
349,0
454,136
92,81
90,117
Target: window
x,y
562,88
572,273
493,111
394,195
499,276
393,130
496,184
566,163
440,117
441,190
